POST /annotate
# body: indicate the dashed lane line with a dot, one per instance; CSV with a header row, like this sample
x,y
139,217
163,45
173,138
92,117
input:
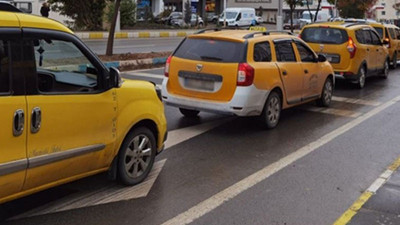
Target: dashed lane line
x,y
229,193
332,111
356,101
346,217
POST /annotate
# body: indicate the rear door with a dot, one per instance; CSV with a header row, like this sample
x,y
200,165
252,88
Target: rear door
x,y
291,71
364,50
13,161
379,53
206,69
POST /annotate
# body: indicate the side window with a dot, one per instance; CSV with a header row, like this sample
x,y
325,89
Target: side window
x,y
4,67
375,39
262,52
62,68
392,34
306,54
284,51
367,37
239,17
360,36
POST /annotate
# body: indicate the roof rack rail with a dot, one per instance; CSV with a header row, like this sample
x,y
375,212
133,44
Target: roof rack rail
x,y
247,36
220,29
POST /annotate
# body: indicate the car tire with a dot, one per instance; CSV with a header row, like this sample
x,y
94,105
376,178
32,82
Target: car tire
x,y
136,156
272,110
326,95
201,25
385,71
361,78
394,61
189,112
214,20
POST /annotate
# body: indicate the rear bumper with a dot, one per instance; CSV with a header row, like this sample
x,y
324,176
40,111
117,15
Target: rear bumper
x,y
246,101
346,75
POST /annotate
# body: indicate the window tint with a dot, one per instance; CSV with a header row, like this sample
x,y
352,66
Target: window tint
x,y
392,34
380,31
375,38
262,52
284,51
367,37
360,36
4,66
211,50
324,35
306,54
62,67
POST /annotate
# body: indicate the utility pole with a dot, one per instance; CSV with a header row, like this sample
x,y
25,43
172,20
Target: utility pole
x,y
279,18
224,13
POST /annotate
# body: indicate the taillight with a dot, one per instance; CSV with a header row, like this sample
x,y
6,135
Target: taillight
x,y
352,48
245,75
299,36
166,70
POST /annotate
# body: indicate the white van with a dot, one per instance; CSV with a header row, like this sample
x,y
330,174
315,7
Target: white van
x,y
321,17
239,17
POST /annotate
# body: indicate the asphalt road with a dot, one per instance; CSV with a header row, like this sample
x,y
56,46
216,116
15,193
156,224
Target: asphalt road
x,y
229,170
139,45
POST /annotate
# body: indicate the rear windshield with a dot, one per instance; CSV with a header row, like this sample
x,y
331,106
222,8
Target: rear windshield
x,y
211,50
324,35
379,31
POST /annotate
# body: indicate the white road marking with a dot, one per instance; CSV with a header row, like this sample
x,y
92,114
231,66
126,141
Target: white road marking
x,y
177,136
138,74
218,199
142,70
332,111
376,185
355,101
103,195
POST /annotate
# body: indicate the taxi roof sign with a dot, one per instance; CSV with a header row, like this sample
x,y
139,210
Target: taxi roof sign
x,y
258,28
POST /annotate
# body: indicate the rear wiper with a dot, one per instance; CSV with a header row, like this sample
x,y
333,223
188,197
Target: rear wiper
x,y
210,58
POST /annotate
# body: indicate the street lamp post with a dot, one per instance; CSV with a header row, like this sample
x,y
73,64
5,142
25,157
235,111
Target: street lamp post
x,y
224,13
279,18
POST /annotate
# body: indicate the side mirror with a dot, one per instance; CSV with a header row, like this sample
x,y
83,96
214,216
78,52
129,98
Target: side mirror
x,y
385,41
321,58
115,78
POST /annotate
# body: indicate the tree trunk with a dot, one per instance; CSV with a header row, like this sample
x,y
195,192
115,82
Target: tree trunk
x,y
309,11
292,7
316,13
110,42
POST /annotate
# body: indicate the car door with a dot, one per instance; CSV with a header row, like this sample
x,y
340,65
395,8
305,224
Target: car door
x,y
290,70
312,78
379,53
71,112
370,48
13,161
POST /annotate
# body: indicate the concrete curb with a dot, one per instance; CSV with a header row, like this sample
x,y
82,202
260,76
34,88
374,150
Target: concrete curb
x,y
149,61
126,35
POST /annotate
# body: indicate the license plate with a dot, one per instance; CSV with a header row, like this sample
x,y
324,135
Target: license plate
x,y
199,84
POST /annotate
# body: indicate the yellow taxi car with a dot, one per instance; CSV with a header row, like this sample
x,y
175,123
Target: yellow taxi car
x,y
389,34
245,73
354,50
64,115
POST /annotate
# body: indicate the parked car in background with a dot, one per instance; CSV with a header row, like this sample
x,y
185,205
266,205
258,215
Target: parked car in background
x,y
212,17
296,25
168,19
245,73
195,20
390,34
355,50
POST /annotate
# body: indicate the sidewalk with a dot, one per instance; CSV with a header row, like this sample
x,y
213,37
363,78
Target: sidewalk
x,y
379,204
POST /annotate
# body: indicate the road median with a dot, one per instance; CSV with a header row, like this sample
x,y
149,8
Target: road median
x,y
136,34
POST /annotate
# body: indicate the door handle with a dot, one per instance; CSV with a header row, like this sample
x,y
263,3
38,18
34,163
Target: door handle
x,y
36,120
19,122
305,71
284,72
367,49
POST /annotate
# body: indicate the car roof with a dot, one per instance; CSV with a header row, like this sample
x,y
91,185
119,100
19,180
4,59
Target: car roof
x,y
23,20
240,35
339,24
383,25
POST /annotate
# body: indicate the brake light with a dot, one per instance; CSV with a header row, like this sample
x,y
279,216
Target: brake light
x,y
166,70
245,75
351,47
299,36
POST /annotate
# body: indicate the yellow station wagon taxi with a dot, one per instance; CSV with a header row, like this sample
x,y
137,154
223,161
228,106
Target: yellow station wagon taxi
x,y
355,50
245,73
64,115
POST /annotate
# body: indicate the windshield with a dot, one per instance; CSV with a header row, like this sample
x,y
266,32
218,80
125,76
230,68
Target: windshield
x,y
231,15
324,35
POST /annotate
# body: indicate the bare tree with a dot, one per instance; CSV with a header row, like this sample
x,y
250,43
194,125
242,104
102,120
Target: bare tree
x,y
110,42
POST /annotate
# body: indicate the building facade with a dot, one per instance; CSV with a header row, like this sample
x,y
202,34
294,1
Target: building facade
x,y
384,11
